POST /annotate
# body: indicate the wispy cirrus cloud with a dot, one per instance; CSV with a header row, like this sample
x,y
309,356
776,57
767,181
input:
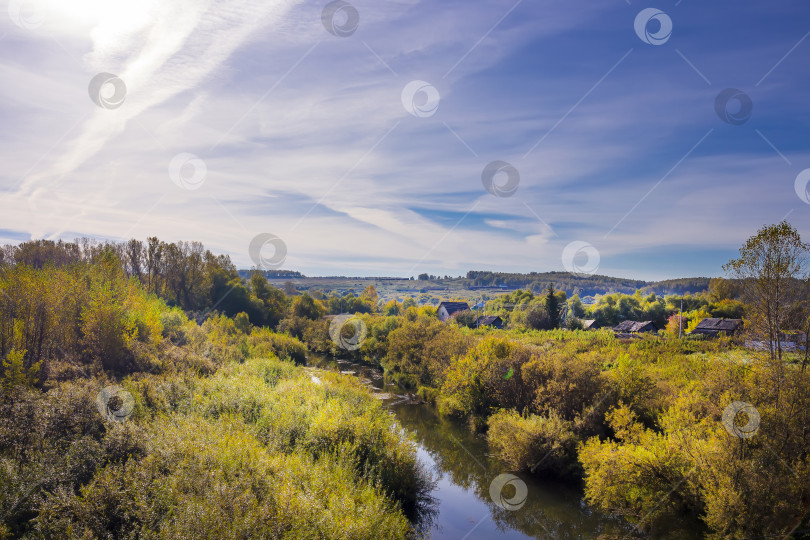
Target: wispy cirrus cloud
x,y
159,50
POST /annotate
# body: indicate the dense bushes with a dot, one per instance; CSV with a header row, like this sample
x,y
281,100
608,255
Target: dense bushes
x,y
213,479
638,420
250,452
541,444
224,440
742,487
422,348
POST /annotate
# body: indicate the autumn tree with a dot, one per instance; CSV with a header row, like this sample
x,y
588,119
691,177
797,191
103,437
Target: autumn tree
x,y
370,292
772,269
307,307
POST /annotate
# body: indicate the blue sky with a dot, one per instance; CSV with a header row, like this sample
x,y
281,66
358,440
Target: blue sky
x,y
288,129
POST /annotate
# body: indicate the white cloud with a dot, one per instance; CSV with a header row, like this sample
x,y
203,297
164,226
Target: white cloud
x,y
292,121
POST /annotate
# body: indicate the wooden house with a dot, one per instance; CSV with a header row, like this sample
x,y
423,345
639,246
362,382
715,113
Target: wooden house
x,y
635,327
715,327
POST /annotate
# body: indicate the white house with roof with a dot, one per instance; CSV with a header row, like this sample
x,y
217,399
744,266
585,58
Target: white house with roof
x,y
448,309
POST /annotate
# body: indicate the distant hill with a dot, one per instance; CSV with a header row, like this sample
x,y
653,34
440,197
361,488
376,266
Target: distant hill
x,y
501,281
584,285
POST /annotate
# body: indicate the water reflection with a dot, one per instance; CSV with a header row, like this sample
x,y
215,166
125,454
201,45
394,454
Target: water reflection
x,y
460,504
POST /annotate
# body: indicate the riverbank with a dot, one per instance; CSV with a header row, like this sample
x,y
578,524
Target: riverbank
x,y
460,460
660,430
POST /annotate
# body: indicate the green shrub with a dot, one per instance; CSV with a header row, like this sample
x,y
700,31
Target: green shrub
x,y
539,444
266,343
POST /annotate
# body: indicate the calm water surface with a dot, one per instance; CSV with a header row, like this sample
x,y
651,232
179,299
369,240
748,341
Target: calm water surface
x,y
464,472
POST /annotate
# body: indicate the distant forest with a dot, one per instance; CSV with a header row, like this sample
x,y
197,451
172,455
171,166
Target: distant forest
x,y
273,274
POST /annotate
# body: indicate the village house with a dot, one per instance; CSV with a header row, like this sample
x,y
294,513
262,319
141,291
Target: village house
x,y
589,324
715,327
448,309
635,327
490,320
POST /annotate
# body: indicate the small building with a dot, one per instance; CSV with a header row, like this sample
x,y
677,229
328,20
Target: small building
x,y
635,327
589,324
715,327
490,320
448,309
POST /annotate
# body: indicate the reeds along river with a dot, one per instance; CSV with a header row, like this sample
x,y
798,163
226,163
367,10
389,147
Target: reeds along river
x,y
467,501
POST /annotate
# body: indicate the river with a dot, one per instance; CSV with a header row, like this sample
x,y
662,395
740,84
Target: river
x,y
468,479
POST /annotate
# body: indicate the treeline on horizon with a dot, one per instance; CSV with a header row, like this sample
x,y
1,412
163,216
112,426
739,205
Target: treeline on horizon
x,y
585,285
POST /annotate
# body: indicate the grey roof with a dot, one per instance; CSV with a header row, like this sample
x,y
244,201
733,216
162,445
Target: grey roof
x,y
718,325
454,307
587,323
488,320
631,327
